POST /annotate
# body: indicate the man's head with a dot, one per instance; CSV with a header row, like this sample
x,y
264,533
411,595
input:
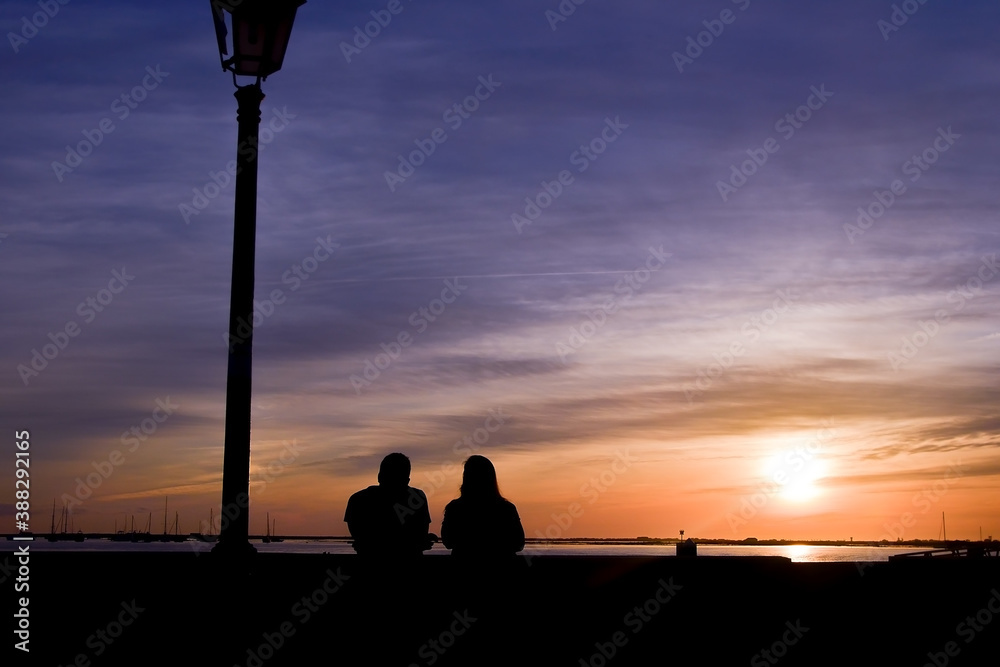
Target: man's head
x,y
395,470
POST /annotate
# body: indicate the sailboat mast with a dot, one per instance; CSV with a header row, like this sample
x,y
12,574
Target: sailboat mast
x,y
944,527
165,514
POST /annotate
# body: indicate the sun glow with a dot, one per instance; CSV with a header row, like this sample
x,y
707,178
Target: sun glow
x,y
795,474
804,485
798,552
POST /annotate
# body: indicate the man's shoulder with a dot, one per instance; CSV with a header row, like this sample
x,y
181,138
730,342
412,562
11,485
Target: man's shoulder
x,y
364,495
418,502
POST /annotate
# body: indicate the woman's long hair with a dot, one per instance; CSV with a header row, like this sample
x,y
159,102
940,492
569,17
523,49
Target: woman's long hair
x,y
479,479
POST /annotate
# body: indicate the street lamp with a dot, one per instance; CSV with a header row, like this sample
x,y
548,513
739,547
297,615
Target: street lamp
x,y
259,32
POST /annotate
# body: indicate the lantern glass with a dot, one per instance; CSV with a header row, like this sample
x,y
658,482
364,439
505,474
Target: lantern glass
x,y
260,33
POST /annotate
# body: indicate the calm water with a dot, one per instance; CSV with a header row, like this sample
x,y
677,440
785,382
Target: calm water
x,y
797,553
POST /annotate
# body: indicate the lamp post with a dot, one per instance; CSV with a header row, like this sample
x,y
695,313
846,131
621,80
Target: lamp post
x,y
260,30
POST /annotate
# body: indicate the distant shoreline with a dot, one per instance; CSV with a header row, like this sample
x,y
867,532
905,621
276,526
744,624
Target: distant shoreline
x,y
625,541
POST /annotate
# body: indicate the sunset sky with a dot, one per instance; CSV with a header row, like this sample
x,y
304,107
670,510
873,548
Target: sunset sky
x,y
746,287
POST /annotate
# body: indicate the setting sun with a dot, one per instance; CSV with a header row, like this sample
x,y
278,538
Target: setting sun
x,y
804,485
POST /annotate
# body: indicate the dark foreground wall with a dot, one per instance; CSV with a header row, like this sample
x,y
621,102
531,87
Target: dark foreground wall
x,y
293,609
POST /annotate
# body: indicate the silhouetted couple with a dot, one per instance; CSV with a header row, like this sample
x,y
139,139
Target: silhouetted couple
x,y
390,522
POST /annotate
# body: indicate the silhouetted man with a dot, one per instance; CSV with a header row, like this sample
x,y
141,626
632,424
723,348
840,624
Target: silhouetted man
x,y
390,521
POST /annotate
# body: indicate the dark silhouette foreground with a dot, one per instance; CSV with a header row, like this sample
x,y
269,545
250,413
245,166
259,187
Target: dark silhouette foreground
x,y
303,609
481,526
389,522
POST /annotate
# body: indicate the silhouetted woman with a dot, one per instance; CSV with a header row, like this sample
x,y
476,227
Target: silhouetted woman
x,y
484,533
481,526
